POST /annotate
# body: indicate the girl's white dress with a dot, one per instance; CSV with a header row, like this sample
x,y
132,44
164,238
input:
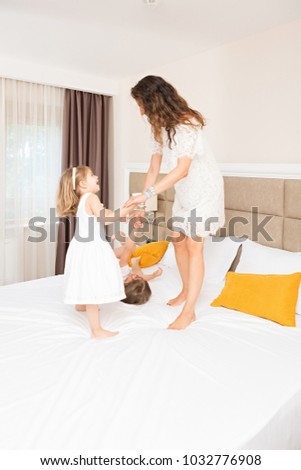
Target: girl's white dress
x,y
198,208
92,273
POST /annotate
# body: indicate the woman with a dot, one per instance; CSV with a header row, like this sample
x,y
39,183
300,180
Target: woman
x,y
198,209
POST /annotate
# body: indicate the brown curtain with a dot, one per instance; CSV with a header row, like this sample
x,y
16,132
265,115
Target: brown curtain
x,y
85,142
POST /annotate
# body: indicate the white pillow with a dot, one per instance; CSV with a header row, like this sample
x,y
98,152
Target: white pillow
x,y
219,253
259,259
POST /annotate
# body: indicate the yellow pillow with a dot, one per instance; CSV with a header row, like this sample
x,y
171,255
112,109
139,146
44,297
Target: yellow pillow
x,y
270,296
151,253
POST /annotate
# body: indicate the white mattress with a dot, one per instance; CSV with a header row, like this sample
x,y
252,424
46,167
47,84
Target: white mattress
x,y
229,381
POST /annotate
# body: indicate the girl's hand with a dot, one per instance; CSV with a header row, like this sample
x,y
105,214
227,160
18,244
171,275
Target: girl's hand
x,y
125,212
135,200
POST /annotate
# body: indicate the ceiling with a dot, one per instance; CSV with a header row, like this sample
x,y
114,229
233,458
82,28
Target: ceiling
x,y
117,38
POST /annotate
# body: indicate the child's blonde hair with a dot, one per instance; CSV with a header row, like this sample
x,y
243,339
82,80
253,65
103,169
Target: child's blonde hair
x,y
68,195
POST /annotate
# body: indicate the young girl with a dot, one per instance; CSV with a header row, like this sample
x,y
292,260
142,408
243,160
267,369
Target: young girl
x,y
136,285
92,273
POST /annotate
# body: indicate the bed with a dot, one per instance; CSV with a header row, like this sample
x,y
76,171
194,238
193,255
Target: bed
x,y
230,381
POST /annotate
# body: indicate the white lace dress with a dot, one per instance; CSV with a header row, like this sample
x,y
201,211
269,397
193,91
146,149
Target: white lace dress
x,y
198,208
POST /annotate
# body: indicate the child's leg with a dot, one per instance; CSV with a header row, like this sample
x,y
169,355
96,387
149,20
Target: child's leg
x,y
135,266
123,253
118,252
120,237
97,330
129,243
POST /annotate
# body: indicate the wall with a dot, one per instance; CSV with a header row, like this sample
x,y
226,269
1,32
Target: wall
x,y
249,91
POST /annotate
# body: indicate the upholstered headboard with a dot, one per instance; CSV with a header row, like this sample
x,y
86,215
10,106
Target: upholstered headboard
x,y
274,203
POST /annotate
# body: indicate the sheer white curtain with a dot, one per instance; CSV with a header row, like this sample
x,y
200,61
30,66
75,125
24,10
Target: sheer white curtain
x,y
30,165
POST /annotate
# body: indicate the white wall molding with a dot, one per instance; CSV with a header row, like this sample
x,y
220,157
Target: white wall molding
x,y
262,170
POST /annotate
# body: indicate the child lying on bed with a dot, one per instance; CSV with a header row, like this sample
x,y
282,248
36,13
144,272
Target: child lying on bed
x,y
136,284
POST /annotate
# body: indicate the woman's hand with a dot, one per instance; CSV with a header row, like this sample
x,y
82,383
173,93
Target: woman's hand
x,y
125,212
135,200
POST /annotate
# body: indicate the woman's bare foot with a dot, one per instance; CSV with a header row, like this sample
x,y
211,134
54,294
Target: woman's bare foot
x,y
182,321
80,308
177,300
102,334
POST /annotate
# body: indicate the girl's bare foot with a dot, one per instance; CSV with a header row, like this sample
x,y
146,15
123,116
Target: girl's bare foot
x,y
80,308
182,321
102,334
177,300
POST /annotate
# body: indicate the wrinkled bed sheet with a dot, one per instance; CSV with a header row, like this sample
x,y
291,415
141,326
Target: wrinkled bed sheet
x,y
229,381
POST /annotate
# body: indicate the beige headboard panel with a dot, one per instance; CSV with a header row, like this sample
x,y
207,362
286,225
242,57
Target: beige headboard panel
x,y
249,201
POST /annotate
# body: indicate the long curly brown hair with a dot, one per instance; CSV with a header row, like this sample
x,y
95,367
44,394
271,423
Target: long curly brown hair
x,y
164,107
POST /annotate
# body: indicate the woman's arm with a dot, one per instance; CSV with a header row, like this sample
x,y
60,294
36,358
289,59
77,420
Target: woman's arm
x,y
178,173
168,181
150,179
153,171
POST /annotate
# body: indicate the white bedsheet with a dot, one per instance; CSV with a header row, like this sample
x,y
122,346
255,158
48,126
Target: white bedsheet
x,y
230,381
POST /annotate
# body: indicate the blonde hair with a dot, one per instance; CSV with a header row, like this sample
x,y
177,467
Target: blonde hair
x,y
68,192
137,292
164,107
